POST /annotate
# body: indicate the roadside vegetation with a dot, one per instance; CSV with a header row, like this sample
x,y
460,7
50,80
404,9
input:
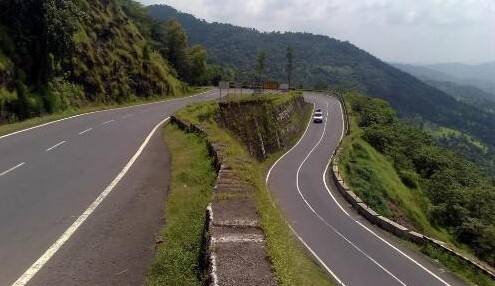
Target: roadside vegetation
x,y
291,263
402,173
60,56
177,260
470,147
28,123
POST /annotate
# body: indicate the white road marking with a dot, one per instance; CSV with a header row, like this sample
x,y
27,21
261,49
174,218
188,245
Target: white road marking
x,y
317,257
85,131
342,208
55,146
108,122
38,264
335,277
99,111
293,147
323,220
365,227
12,169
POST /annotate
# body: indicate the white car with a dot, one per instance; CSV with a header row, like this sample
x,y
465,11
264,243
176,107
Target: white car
x,y
318,116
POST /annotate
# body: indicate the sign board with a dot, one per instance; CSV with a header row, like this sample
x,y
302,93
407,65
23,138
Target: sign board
x,y
271,85
284,87
224,85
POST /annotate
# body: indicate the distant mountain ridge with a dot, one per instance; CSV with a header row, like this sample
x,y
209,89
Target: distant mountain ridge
x,y
483,72
481,76
321,61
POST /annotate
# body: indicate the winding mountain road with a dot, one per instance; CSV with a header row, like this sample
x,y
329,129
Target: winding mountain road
x,y
354,252
68,215
77,197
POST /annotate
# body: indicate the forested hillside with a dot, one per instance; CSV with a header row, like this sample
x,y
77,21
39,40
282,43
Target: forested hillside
x,y
321,61
59,54
483,153
400,171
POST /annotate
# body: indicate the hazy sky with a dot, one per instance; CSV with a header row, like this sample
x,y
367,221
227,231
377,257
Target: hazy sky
x,y
410,31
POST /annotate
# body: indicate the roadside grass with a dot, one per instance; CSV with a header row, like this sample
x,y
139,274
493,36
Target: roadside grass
x,y
178,258
292,264
374,179
465,271
276,98
16,126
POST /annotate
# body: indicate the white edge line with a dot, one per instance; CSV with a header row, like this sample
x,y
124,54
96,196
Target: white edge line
x,y
320,261
55,146
317,257
368,229
323,220
293,147
38,264
99,111
85,131
12,169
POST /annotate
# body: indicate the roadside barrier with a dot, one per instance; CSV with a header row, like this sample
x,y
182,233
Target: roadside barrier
x,y
387,224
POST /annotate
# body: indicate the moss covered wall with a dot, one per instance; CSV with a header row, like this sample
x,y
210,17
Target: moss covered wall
x,y
265,124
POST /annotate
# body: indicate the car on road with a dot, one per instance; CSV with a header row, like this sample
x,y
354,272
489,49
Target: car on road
x,y
318,116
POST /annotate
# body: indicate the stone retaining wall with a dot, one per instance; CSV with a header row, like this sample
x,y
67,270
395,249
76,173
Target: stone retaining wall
x,y
234,241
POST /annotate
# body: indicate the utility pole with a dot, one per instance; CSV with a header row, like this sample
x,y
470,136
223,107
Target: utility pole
x,y
260,66
290,65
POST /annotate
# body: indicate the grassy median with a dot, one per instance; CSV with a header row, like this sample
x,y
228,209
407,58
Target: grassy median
x,y
177,260
291,262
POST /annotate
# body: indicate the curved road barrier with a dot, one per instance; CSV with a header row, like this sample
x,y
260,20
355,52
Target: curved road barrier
x,y
392,226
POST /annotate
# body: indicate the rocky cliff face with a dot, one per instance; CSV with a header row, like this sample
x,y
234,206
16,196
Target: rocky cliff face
x,y
265,125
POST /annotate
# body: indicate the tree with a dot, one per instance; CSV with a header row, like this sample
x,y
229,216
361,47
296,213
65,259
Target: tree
x,y
290,66
176,47
197,57
260,65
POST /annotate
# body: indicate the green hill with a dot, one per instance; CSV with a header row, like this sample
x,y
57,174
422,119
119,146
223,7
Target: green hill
x,y
56,54
401,172
321,61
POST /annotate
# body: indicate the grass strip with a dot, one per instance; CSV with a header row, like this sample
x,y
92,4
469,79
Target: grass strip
x,y
292,264
177,261
465,271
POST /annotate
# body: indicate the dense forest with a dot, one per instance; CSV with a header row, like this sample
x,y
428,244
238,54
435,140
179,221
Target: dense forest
x,y
60,54
446,188
321,62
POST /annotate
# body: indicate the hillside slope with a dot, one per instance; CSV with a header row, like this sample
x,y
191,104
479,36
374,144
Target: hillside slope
x,y
321,61
401,172
56,54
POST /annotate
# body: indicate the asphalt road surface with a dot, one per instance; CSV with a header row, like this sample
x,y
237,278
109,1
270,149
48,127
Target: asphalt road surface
x,y
353,251
50,179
